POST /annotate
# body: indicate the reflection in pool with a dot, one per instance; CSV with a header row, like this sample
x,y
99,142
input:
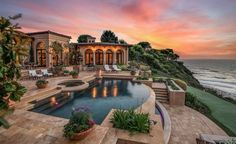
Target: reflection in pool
x,y
100,98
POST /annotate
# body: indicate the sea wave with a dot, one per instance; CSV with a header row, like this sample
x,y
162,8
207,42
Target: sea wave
x,y
216,74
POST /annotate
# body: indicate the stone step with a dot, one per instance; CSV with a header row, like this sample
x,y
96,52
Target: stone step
x,y
162,98
163,101
160,90
161,94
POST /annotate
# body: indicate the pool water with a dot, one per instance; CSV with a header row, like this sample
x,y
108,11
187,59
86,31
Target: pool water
x,y
100,98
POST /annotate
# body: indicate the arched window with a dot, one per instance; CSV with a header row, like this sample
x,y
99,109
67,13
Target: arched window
x,y
99,57
109,57
89,57
119,57
41,54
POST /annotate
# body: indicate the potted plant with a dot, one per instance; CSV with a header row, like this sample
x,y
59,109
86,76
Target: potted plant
x,y
58,70
80,125
74,74
41,83
66,72
133,72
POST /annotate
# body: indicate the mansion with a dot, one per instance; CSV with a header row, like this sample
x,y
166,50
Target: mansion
x,y
92,53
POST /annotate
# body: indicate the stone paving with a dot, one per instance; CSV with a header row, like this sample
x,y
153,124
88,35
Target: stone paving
x,y
187,124
34,128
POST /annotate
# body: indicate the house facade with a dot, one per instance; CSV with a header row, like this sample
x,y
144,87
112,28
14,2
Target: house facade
x,y
93,53
99,53
43,54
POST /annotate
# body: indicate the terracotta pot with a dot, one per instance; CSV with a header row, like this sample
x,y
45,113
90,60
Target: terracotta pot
x,y
66,74
82,135
42,86
75,76
133,73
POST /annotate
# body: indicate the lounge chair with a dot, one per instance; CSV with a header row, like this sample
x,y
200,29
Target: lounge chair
x,y
115,68
46,73
107,69
33,74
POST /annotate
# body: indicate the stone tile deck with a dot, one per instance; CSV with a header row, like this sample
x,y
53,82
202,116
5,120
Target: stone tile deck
x,y
187,124
33,128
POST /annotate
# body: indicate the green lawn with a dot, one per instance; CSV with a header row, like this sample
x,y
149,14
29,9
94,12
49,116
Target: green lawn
x,y
223,112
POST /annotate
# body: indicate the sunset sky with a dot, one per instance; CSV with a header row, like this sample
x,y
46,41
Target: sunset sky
x,y
193,28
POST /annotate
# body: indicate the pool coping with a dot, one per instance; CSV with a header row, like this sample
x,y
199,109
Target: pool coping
x,y
149,102
166,121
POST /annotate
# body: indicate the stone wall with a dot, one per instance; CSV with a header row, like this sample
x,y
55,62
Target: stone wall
x,y
176,97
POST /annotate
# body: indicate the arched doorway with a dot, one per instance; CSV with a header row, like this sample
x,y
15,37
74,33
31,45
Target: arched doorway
x,y
41,54
109,57
88,57
99,57
56,59
119,57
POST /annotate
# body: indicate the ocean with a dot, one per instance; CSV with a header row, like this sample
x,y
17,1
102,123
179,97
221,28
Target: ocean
x,y
217,74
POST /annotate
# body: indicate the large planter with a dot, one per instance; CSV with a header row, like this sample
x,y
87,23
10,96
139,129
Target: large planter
x,y
75,76
83,135
42,86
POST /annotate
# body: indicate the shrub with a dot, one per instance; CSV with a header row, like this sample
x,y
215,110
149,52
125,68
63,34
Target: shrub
x,y
131,121
41,82
142,78
66,71
144,67
159,79
134,64
79,121
181,83
123,67
74,73
171,84
193,102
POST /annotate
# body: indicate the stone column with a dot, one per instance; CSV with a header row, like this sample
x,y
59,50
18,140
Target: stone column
x,y
34,45
48,61
127,56
114,57
104,57
94,58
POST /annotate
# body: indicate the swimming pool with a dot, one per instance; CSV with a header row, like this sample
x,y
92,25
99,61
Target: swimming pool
x,y
100,98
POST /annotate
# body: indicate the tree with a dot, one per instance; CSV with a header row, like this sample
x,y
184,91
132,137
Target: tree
x,y
83,38
136,52
145,44
75,56
57,47
12,47
109,37
121,41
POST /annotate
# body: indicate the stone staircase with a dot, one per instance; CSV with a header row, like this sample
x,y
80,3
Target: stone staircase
x,y
161,92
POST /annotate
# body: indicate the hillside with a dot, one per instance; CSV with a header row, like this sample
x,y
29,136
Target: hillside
x,y
163,63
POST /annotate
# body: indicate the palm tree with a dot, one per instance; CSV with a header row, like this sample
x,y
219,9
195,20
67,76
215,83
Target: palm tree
x,y
109,37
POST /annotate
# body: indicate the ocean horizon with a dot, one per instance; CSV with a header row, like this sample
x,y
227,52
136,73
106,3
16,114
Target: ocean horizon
x,y
218,74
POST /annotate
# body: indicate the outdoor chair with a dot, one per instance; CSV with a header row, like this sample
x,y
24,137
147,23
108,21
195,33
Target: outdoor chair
x,y
115,68
33,74
107,68
46,73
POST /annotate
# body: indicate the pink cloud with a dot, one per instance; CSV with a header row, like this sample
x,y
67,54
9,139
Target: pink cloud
x,y
192,33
